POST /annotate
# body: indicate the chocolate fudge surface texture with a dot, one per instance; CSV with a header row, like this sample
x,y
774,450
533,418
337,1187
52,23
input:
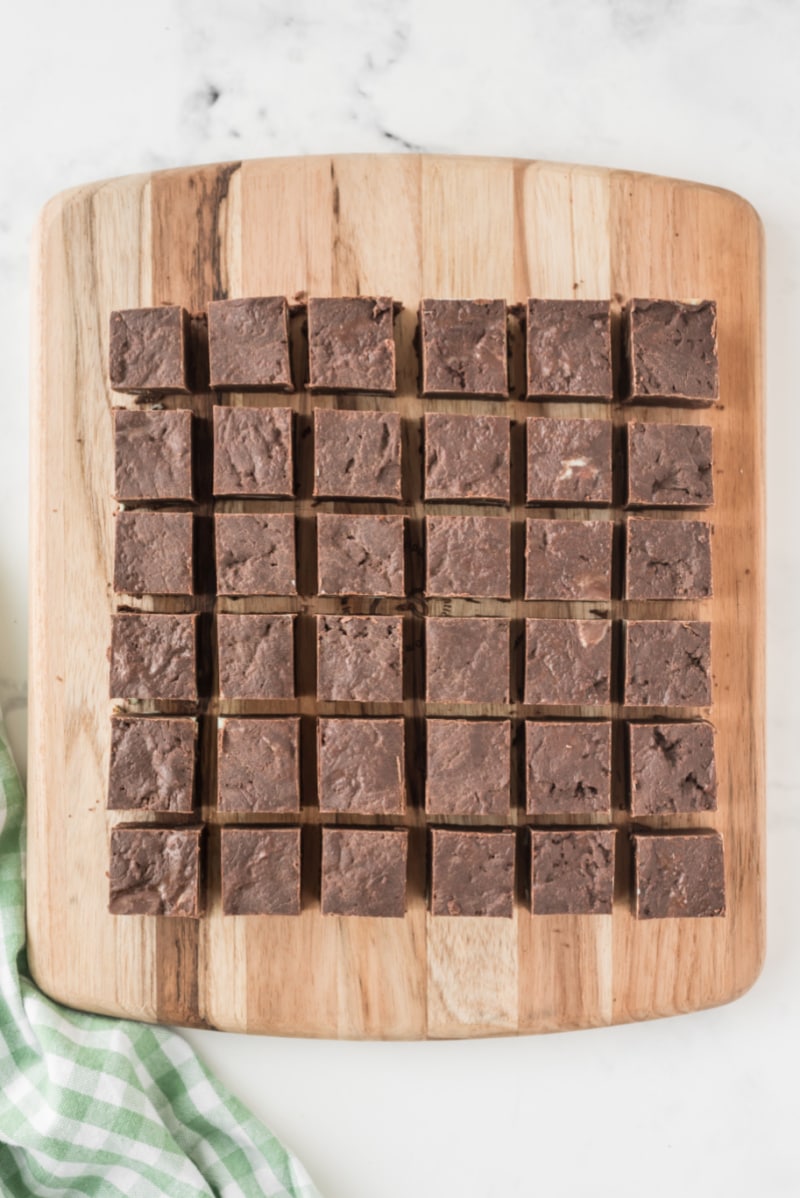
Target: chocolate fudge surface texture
x,y
153,657
672,768
572,871
248,344
351,344
253,451
468,556
361,766
360,555
364,872
464,347
357,454
155,871
256,656
672,349
152,764
472,873
567,662
670,465
258,764
153,455
148,349
679,874
468,767
153,553
569,461
569,349
568,767
668,663
255,553
360,659
467,457
568,559
260,871
466,660
667,559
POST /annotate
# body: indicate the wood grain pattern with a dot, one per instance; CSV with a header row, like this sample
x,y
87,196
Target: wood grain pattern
x,y
403,226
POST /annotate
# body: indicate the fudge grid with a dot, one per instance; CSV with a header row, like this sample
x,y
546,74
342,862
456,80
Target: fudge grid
x,y
468,771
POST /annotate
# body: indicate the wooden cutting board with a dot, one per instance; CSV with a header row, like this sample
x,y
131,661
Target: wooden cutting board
x,y
405,226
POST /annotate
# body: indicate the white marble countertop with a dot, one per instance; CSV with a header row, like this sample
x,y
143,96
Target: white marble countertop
x,y
707,1103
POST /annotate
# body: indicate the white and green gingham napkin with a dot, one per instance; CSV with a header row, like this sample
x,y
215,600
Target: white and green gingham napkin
x,y
104,1107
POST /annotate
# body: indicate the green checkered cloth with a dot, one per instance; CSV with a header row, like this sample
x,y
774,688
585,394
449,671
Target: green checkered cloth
x,y
104,1107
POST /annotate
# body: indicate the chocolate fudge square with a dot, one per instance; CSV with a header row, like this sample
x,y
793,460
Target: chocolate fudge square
x,y
672,351
153,553
152,764
667,663
148,350
472,873
248,344
256,656
357,455
360,555
153,455
153,657
678,874
464,347
572,871
669,465
569,461
467,457
568,662
351,345
568,768
260,871
569,349
469,767
255,553
361,766
568,559
258,765
155,871
672,768
364,872
253,451
468,556
360,659
667,559
466,660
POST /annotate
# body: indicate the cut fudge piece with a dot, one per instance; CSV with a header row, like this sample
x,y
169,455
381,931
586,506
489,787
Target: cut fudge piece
x,y
568,662
152,764
256,656
248,344
568,768
469,767
667,663
466,660
258,764
668,559
155,871
672,768
464,347
569,461
568,559
153,657
351,345
255,553
472,873
253,451
364,872
260,871
360,658
361,766
569,349
153,553
153,455
148,350
572,871
468,556
467,457
672,351
669,465
360,555
357,454
678,874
